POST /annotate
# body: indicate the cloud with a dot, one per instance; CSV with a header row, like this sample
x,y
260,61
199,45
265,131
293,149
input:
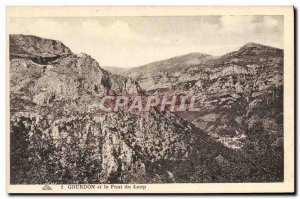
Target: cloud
x,y
118,32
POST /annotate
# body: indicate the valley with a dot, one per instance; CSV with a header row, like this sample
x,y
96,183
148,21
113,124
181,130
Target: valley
x,y
59,136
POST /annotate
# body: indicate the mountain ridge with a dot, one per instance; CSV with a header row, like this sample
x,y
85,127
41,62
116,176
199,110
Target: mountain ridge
x,y
240,98
245,46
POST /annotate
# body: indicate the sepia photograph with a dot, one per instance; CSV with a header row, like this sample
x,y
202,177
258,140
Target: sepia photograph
x,y
150,99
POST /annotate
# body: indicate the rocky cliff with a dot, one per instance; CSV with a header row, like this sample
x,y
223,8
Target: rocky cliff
x,y
58,135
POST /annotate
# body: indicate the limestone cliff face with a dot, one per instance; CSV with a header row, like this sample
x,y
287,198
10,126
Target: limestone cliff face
x,y
58,137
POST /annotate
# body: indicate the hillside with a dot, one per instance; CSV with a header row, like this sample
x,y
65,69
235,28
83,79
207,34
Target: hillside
x,y
117,70
171,65
58,135
240,95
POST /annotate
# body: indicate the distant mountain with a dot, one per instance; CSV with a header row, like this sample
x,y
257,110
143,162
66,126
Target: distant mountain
x,y
58,136
240,95
254,49
155,75
116,70
171,65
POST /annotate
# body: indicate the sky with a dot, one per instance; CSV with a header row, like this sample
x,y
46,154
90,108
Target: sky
x,y
135,41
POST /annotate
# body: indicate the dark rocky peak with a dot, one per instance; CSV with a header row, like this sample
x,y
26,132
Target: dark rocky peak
x,y
252,45
38,49
253,50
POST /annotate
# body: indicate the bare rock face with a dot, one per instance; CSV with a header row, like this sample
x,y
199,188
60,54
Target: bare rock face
x,y
68,77
57,138
35,47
